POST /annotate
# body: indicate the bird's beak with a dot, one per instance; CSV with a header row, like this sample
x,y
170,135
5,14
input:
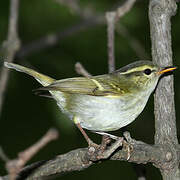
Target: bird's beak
x,y
166,69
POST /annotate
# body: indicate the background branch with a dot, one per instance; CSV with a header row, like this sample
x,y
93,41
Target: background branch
x,y
55,38
90,19
10,47
15,166
110,17
122,10
79,68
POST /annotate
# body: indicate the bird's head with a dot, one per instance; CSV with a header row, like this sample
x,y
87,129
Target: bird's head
x,y
142,75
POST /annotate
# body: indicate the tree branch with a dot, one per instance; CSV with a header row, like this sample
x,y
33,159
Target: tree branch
x,y
111,18
81,70
10,46
121,11
14,166
160,13
78,159
53,39
90,19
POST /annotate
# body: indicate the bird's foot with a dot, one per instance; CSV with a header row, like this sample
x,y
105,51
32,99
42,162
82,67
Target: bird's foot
x,y
98,152
105,150
92,147
128,148
129,144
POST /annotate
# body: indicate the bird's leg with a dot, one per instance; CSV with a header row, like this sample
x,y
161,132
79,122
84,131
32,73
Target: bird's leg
x,y
89,141
104,152
96,151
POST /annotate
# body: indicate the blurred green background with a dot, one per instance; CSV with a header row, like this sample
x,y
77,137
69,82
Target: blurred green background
x,y
26,117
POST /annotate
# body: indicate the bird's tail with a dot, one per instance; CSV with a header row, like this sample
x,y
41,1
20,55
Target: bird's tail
x,y
41,78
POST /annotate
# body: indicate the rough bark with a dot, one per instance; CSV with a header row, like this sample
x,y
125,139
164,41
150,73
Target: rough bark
x,y
160,13
78,160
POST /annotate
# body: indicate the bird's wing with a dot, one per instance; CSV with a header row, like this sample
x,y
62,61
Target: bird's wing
x,y
82,85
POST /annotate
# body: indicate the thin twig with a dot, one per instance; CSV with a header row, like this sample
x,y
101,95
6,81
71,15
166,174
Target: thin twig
x,y
81,70
26,155
14,166
126,7
71,4
55,38
90,19
110,17
10,46
74,7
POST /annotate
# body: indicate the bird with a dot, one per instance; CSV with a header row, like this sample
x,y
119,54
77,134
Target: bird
x,y
102,103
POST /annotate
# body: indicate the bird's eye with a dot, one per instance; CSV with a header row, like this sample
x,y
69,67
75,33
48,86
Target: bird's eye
x,y
147,71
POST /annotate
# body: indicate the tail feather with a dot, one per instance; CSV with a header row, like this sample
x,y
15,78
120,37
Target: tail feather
x,y
41,78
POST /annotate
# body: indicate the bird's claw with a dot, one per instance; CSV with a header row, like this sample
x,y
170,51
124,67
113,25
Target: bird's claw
x,y
103,151
98,152
128,148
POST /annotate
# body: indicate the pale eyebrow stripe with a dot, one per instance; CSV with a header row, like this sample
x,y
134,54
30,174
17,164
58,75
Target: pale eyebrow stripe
x,y
137,69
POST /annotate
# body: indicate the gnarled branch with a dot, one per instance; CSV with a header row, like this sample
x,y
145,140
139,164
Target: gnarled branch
x,y
78,159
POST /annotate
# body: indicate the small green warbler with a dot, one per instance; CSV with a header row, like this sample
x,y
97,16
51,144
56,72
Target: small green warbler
x,y
105,102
